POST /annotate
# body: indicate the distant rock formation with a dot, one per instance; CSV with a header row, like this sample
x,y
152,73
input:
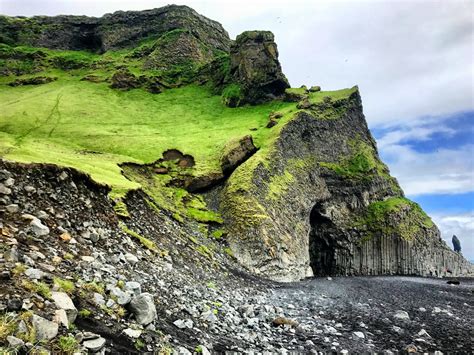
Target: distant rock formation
x,y
456,244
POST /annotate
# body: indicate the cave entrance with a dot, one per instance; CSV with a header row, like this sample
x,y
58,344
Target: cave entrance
x,y
322,245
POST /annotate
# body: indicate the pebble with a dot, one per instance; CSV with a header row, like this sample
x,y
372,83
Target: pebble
x,y
403,315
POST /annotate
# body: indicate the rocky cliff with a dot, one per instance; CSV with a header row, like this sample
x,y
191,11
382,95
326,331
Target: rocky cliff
x,y
319,201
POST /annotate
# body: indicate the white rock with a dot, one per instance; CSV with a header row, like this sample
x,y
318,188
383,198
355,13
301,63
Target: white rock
x,y
359,335
181,351
87,258
63,301
132,259
133,333
329,278
422,309
423,333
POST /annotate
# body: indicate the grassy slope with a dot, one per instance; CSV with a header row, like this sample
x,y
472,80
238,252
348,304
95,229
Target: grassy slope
x,y
68,122
93,128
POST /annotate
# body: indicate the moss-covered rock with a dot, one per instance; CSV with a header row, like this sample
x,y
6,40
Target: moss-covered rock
x,y
255,67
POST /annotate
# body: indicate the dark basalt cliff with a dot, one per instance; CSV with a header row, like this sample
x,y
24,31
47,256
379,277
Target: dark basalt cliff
x,y
322,203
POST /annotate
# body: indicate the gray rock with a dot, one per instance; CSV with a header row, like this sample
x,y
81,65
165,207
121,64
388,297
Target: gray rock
x,y
134,287
38,228
14,304
9,182
13,208
35,274
122,297
45,329
30,189
14,342
182,351
209,316
94,345
132,259
359,335
98,299
63,301
143,307
5,190
401,315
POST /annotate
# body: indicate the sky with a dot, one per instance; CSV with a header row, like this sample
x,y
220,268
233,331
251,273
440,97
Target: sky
x,y
413,63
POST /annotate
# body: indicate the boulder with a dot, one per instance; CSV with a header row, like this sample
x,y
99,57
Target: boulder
x,y
44,329
64,302
236,152
143,307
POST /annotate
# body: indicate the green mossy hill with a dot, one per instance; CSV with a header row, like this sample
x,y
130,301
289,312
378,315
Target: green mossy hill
x,y
394,216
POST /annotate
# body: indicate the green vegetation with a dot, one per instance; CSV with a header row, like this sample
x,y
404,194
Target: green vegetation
x,y
147,243
64,285
67,344
8,325
279,184
84,313
362,163
94,287
376,220
218,233
232,95
40,288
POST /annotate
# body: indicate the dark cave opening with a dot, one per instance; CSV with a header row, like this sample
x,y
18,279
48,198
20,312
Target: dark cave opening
x,y
322,245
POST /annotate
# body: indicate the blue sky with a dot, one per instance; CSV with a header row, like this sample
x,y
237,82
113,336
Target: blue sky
x,y
412,60
433,161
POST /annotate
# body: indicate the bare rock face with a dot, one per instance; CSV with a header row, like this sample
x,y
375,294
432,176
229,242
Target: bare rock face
x,y
255,67
323,203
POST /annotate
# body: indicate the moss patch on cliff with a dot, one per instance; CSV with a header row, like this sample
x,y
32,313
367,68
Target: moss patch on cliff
x,y
394,216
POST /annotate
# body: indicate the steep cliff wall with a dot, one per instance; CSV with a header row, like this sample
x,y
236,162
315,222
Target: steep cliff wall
x,y
320,201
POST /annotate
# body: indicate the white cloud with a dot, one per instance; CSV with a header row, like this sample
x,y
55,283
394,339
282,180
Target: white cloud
x,y
444,171
461,225
409,58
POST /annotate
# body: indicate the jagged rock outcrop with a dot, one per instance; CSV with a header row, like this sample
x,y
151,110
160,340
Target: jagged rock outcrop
x,y
255,69
112,31
321,202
